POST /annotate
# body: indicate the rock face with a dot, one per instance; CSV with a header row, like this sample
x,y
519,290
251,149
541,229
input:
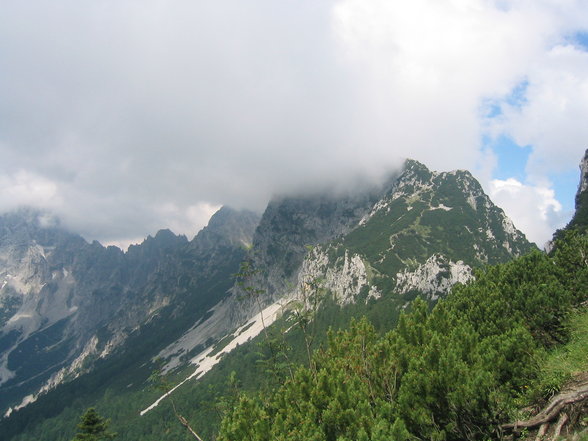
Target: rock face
x,y
580,219
345,279
583,174
290,225
434,277
65,303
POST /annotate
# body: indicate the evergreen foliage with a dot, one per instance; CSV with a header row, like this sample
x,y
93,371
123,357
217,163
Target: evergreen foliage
x,y
93,427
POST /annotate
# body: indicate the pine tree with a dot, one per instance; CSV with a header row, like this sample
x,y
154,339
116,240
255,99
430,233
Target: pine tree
x,y
93,427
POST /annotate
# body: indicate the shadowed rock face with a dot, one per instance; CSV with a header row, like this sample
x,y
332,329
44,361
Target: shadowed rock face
x,y
289,225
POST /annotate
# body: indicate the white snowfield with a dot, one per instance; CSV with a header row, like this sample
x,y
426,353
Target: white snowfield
x,y
205,362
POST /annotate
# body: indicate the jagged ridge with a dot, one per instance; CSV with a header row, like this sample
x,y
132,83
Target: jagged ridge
x,y
66,303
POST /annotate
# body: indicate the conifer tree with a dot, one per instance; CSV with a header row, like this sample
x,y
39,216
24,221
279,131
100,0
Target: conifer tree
x,y
93,427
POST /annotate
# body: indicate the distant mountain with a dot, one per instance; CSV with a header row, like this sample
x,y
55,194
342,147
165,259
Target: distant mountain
x,y
65,303
69,307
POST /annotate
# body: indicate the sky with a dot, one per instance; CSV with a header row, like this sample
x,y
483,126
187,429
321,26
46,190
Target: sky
x,y
123,117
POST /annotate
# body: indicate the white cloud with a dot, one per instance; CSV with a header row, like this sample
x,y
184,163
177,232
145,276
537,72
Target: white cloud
x,y
553,117
428,65
189,220
25,189
533,209
137,112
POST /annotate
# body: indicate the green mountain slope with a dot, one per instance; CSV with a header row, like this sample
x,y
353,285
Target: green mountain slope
x,y
460,371
426,234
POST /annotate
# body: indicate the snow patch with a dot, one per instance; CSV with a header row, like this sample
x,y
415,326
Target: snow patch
x,y
442,207
5,373
380,205
25,402
20,316
217,325
205,361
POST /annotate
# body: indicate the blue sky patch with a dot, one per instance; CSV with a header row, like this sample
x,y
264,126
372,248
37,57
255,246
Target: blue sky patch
x,y
491,109
565,186
580,39
512,158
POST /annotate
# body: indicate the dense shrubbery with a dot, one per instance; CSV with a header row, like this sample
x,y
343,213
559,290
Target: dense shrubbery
x,y
452,373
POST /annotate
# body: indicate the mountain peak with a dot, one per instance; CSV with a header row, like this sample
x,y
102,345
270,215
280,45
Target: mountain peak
x,y
230,226
225,216
414,165
164,239
414,168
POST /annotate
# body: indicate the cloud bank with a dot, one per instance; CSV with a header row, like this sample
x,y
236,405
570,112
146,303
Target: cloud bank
x,y
125,117
534,207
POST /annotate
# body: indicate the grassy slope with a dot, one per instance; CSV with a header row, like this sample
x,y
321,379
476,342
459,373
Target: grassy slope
x,y
563,362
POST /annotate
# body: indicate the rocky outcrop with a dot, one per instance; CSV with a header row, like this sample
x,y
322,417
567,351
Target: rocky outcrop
x,y
289,225
433,278
345,279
